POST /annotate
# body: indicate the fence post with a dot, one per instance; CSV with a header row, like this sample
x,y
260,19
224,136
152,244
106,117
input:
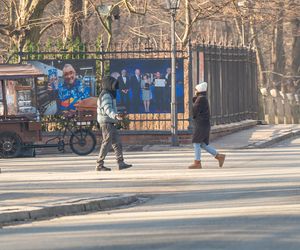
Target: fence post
x,y
215,84
254,85
102,58
225,59
222,87
236,74
208,59
190,77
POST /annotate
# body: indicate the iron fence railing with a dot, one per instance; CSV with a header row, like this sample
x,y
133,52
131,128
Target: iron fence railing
x,y
230,72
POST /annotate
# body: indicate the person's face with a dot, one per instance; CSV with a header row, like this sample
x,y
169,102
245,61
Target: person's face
x,y
115,75
123,72
157,75
168,70
69,75
137,72
11,86
145,78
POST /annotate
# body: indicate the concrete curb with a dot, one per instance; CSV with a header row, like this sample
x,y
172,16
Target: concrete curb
x,y
68,209
275,139
233,127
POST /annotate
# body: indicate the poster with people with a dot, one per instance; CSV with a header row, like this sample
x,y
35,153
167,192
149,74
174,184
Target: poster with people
x,y
145,85
66,83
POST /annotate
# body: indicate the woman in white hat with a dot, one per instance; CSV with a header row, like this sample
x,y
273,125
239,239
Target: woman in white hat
x,y
201,127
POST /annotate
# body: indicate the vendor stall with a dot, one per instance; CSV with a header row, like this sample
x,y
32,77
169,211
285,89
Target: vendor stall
x,y
19,118
20,126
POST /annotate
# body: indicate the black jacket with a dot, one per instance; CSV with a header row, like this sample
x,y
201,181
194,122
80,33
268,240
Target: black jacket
x,y
135,85
122,85
168,80
201,119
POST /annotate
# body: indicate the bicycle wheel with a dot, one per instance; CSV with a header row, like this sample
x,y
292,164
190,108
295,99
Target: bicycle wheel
x,y
82,142
10,145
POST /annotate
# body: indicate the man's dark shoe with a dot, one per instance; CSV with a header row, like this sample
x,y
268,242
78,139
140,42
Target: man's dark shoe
x,y
102,168
123,165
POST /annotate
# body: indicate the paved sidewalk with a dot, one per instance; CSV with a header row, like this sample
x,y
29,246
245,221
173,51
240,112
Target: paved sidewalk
x,y
259,136
56,185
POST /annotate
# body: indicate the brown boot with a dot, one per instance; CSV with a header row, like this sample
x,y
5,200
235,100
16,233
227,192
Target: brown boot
x,y
221,159
195,165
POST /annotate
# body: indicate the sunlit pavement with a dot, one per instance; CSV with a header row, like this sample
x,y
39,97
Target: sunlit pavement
x,y
252,203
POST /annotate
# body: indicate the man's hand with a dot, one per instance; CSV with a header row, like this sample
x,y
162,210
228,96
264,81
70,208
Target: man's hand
x,y
49,88
69,113
118,117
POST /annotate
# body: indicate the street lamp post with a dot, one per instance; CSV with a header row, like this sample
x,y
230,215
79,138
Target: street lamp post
x,y
242,4
173,5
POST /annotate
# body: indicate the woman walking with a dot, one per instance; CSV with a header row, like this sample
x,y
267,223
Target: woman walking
x,y
201,126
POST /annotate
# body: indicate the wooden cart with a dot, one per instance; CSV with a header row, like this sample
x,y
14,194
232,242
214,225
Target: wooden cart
x,y
19,118
20,126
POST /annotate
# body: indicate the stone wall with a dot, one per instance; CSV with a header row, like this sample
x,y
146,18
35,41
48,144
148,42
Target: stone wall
x,y
279,107
184,137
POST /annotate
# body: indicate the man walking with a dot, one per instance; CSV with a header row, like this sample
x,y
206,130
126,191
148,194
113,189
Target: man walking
x,y
107,117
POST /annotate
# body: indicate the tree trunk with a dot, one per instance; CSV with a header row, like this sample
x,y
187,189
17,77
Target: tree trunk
x,y
23,22
261,67
278,53
188,24
73,15
296,47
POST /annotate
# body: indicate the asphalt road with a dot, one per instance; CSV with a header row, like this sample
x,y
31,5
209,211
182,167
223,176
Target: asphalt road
x,y
253,203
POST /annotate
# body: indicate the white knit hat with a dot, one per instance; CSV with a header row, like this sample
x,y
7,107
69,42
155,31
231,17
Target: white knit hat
x,y
201,87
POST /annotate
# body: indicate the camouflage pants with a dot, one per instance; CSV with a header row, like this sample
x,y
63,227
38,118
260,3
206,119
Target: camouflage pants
x,y
110,137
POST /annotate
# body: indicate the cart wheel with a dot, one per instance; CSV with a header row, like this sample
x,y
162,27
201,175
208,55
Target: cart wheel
x,y
82,142
10,145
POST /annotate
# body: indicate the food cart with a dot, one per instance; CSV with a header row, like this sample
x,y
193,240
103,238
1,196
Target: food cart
x,y
19,117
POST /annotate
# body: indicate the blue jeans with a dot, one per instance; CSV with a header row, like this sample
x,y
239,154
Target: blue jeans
x,y
207,148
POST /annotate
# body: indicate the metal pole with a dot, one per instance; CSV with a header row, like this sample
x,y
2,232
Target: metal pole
x,y
173,83
191,79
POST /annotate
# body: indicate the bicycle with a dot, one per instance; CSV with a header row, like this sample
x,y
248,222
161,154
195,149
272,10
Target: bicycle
x,y
82,140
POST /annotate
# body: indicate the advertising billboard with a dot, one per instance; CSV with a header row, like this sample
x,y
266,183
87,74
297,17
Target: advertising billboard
x,y
145,85
67,82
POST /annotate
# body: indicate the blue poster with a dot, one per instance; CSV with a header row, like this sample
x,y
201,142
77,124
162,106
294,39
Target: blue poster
x,y
145,85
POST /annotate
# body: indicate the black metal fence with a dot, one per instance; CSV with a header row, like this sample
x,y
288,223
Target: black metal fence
x,y
229,71
231,76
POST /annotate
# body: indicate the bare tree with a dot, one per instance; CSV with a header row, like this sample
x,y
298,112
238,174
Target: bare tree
x,y
73,18
23,21
295,27
278,54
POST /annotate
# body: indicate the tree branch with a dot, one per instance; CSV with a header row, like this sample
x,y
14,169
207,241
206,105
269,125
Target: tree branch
x,y
131,9
5,31
3,41
5,3
105,26
17,11
49,26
